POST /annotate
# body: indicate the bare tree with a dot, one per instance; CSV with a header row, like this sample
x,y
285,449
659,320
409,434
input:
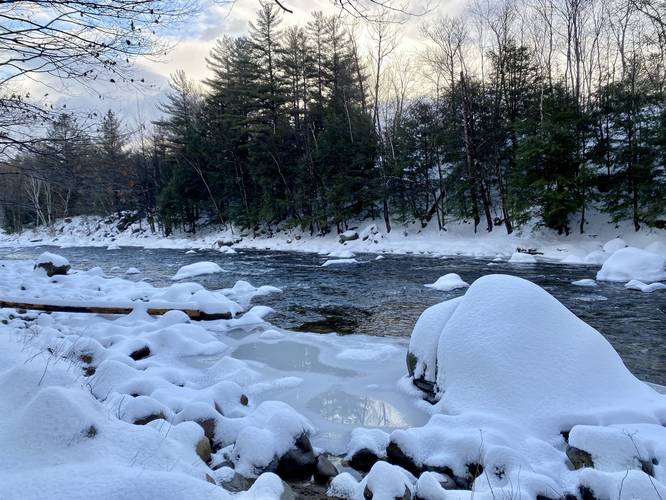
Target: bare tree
x,y
42,40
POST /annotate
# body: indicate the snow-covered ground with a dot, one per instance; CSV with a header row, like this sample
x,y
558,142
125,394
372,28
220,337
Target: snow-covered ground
x,y
526,399
459,239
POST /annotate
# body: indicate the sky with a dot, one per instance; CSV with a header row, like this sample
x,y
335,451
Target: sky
x,y
192,42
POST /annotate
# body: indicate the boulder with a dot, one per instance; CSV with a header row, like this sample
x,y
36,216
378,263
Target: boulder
x,y
579,458
203,449
363,460
299,462
348,236
53,264
325,470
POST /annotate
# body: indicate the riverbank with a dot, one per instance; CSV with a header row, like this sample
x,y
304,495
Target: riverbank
x,y
140,406
362,237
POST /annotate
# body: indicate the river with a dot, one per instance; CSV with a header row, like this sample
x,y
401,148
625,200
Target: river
x,y
386,296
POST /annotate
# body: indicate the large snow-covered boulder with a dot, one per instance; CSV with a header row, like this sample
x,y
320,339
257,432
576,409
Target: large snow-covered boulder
x,y
516,374
633,264
512,348
509,347
53,264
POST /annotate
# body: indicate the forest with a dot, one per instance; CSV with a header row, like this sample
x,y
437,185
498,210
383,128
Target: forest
x,y
510,112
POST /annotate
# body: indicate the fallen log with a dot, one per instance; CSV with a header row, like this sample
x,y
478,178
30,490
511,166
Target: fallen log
x,y
194,314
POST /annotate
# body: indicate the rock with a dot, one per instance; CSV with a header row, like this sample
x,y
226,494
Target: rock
x,y
287,493
348,236
208,426
297,237
411,363
325,470
367,494
396,456
227,242
53,269
363,460
237,483
243,400
579,458
299,462
210,479
203,449
139,354
149,418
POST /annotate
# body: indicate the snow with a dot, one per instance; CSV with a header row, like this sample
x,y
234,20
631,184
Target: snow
x,y
448,282
51,258
197,269
612,246
374,440
585,282
633,264
133,270
643,287
339,262
83,372
489,412
458,239
384,481
522,258
341,254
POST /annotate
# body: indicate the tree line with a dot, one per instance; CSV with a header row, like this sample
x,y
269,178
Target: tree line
x,y
513,111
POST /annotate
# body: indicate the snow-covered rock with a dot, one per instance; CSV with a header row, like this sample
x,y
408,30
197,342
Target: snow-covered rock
x,y
53,264
522,258
197,269
133,270
339,262
643,287
612,246
448,282
348,236
513,369
633,264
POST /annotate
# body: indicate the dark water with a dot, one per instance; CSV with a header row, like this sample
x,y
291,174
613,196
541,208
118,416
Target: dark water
x,y
385,297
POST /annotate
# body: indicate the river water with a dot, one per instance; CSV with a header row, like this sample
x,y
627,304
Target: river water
x,y
385,297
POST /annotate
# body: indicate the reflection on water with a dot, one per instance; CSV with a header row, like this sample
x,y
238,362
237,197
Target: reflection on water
x,y
288,356
341,407
385,297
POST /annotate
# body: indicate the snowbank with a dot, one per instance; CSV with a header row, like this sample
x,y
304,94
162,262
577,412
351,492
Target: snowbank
x,y
448,282
633,264
197,269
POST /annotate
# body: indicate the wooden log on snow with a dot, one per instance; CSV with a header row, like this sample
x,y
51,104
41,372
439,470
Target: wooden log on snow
x,y
194,314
